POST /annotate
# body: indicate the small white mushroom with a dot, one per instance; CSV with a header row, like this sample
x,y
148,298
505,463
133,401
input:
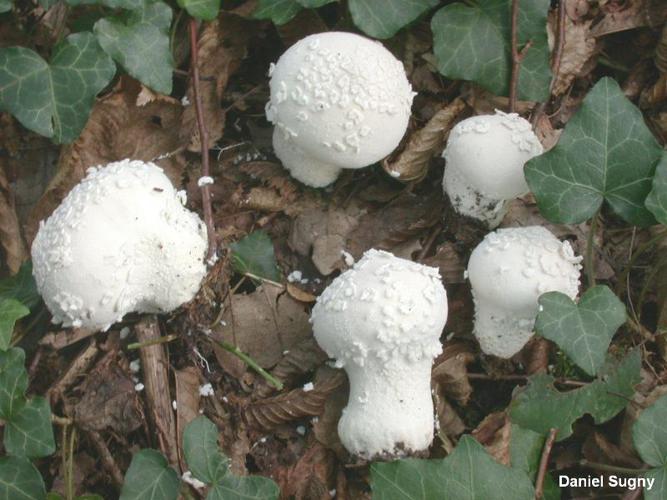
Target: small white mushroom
x,y
121,241
508,271
381,320
338,100
485,156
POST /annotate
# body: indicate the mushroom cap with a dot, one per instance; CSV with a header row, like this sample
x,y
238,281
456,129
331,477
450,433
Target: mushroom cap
x,y
305,169
508,272
121,241
382,308
489,152
341,98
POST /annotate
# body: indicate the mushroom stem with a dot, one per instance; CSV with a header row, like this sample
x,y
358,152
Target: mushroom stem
x,y
203,140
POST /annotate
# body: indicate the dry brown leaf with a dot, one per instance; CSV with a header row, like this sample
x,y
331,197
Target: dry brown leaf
x,y
269,413
450,372
655,94
11,238
494,433
620,17
312,476
449,421
262,324
547,135
578,48
597,448
301,359
187,404
448,261
412,163
300,295
222,45
117,129
326,426
108,400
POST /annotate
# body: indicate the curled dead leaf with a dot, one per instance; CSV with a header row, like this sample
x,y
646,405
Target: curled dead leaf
x,y
11,237
269,413
187,404
412,162
578,48
312,476
494,433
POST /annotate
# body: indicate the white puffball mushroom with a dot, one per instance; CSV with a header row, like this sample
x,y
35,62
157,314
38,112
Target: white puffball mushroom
x,y
484,158
338,100
121,241
508,272
381,320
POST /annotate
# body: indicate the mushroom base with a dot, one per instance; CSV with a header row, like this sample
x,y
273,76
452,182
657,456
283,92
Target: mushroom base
x,y
500,332
303,167
470,202
390,409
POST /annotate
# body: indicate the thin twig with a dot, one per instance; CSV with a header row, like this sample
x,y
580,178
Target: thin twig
x,y
108,461
560,43
203,140
517,55
250,362
544,461
158,340
611,468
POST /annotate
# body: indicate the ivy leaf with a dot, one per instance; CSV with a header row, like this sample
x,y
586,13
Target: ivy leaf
x,y
200,446
383,18
540,406
19,479
54,99
525,455
113,4
254,254
590,163
29,431
5,6
139,42
584,330
278,11
473,43
657,198
13,382
149,476
201,9
650,439
469,473
10,311
21,287
243,488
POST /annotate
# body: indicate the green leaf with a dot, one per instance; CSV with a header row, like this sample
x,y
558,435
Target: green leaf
x,y
584,330
113,4
278,11
20,480
200,446
469,473
649,435
473,43
201,9
605,153
656,201
54,99
540,406
21,287
29,432
149,476
254,254
244,488
139,42
5,6
13,382
525,455
314,4
383,18
10,311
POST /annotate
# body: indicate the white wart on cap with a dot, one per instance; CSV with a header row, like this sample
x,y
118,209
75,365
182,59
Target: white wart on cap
x,y
381,320
121,241
338,100
484,157
508,271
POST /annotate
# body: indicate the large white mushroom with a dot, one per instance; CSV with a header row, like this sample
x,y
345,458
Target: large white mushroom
x,y
121,241
381,320
338,100
484,158
508,271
